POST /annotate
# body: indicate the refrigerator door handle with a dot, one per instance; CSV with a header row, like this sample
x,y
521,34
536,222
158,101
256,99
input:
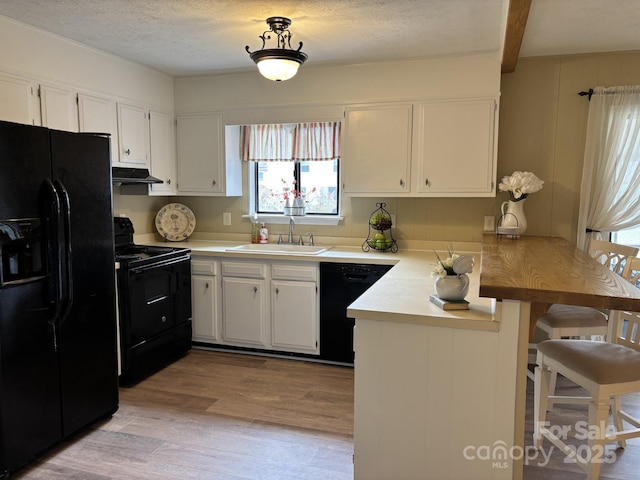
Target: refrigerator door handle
x,y
56,220
68,263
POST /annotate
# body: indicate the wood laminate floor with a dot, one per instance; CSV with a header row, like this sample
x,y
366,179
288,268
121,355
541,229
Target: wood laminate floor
x,y
230,416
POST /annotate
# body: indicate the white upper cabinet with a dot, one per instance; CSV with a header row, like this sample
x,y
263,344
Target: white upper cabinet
x,y
203,166
454,148
133,136
376,151
16,99
439,148
163,158
58,108
98,115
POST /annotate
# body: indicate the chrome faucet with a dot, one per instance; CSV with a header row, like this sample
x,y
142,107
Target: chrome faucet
x,y
292,224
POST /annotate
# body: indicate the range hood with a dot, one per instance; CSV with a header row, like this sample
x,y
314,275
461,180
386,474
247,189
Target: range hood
x,y
128,176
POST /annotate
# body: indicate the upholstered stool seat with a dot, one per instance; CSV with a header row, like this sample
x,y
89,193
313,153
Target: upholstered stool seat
x,y
601,362
573,319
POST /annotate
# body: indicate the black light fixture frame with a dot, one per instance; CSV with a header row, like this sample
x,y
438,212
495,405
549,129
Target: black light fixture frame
x,y
280,27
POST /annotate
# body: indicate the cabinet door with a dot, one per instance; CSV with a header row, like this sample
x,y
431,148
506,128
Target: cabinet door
x,y
200,154
244,311
376,152
163,159
98,115
204,306
455,148
16,98
294,314
58,108
133,136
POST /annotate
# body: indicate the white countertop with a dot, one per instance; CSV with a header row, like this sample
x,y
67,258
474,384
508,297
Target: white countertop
x,y
402,295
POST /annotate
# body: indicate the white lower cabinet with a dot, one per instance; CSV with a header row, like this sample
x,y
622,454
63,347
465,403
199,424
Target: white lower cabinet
x,y
244,311
244,304
205,297
256,304
294,308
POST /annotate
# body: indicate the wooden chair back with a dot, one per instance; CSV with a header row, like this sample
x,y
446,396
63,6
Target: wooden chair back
x,y
612,255
626,328
632,271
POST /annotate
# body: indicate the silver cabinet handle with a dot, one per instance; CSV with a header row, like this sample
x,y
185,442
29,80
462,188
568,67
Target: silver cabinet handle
x,y
277,291
214,183
206,285
168,181
401,182
127,151
427,182
255,289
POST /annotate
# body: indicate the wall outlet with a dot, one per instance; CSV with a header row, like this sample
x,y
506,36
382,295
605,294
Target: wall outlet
x,y
489,223
226,219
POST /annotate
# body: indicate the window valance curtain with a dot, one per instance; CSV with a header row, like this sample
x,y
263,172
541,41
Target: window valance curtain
x,y
610,189
314,141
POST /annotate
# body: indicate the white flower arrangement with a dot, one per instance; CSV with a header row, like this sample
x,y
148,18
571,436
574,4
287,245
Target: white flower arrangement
x,y
520,185
454,264
444,267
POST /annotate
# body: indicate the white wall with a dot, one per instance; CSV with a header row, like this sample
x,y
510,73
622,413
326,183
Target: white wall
x,y
313,86
33,53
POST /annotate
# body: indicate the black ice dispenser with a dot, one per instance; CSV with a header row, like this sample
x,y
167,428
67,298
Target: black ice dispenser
x,y
21,251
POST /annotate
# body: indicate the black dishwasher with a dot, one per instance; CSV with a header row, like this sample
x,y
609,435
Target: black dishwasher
x,y
340,285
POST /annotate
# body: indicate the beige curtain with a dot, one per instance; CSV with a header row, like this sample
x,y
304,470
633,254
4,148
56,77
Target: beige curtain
x,y
610,189
314,141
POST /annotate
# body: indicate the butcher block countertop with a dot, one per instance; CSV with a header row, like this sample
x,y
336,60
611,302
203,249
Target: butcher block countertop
x,y
547,270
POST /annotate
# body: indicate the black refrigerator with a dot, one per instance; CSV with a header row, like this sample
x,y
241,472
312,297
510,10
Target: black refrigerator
x,y
58,357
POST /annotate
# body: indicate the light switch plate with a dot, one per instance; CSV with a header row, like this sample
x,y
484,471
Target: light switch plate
x,y
226,219
489,223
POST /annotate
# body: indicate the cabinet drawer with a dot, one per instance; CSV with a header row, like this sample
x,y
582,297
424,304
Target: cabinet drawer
x,y
294,272
242,269
204,268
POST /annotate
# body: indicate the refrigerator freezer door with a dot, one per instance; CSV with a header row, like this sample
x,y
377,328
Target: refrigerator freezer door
x,y
29,380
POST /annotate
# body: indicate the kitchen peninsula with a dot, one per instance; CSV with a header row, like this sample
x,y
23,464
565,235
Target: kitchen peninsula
x,y
434,399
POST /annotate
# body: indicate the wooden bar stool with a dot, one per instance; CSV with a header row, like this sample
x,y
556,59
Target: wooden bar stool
x,y
606,370
562,321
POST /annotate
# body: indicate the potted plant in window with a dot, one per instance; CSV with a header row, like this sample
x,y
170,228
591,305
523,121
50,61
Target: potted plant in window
x,y
294,199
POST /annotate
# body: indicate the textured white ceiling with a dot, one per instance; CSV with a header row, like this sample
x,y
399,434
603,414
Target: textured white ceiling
x,y
188,37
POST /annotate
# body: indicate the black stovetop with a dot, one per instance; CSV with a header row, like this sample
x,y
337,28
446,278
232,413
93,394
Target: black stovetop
x,y
130,254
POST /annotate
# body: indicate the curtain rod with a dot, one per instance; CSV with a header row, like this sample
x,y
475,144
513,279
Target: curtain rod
x,y
610,90
587,93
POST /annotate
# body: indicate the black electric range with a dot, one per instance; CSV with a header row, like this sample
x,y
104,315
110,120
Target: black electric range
x,y
154,304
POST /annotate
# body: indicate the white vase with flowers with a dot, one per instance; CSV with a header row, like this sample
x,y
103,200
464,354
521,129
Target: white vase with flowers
x,y
451,279
519,185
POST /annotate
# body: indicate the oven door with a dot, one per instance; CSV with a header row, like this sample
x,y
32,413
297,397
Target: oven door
x,y
155,298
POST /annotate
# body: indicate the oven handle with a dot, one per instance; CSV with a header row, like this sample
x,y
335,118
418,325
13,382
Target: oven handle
x,y
145,268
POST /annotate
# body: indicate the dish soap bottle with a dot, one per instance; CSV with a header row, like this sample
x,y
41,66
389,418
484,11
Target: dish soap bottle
x,y
264,234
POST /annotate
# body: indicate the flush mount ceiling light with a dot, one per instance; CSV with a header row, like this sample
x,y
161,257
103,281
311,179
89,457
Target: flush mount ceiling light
x,y
282,62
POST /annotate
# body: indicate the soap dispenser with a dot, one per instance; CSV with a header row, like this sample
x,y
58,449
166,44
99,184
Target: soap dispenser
x,y
264,234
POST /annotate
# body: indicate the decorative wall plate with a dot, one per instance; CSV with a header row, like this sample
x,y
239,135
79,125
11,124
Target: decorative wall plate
x,y
175,222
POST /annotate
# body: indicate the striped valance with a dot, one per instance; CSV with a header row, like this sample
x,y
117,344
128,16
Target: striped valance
x,y
311,141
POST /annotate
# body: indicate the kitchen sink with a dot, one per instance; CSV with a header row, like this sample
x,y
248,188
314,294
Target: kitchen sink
x,y
275,248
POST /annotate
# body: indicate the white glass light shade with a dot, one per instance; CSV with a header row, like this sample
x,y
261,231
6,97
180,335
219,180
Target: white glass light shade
x,y
278,69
